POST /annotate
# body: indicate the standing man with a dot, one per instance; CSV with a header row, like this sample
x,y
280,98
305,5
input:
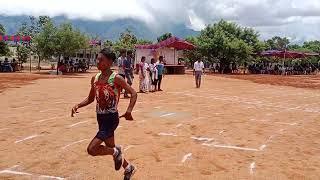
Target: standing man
x,y
160,68
198,69
120,63
142,75
128,70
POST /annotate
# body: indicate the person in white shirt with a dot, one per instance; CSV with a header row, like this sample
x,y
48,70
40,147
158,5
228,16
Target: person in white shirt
x,y
120,61
198,69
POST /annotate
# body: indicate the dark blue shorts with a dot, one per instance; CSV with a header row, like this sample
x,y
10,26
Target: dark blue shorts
x,y
108,123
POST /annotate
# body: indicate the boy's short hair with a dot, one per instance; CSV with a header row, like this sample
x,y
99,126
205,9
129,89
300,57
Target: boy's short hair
x,y
109,54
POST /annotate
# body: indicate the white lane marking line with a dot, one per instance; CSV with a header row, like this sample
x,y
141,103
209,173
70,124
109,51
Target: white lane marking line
x,y
50,177
202,139
13,167
179,125
4,129
48,119
262,147
48,110
230,147
158,107
68,145
283,123
186,157
168,114
27,138
128,147
75,124
167,134
252,167
14,172
11,171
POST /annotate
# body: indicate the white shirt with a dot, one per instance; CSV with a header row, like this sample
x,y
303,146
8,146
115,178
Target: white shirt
x,y
198,66
120,65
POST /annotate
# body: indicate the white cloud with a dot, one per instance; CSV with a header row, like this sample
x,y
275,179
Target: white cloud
x,y
294,18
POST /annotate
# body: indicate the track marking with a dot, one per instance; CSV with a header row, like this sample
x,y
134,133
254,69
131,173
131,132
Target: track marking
x,y
230,147
168,114
167,134
75,124
68,145
202,139
252,167
128,147
27,138
186,157
14,172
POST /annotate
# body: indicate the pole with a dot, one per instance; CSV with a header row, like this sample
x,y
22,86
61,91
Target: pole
x,y
30,63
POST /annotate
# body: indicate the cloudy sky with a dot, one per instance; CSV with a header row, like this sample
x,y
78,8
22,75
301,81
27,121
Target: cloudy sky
x,y
297,19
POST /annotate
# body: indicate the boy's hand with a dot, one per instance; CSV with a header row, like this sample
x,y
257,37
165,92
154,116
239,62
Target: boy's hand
x,y
74,110
127,116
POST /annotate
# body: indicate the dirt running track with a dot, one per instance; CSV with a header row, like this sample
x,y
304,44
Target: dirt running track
x,y
228,129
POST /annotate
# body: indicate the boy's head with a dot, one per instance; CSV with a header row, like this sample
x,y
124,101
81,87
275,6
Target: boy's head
x,y
153,60
105,59
123,53
143,59
129,54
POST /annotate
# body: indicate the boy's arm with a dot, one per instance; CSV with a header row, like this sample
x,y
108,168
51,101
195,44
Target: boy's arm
x,y
87,101
122,83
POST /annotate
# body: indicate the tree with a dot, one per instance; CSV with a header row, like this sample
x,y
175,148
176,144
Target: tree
x,y
44,41
4,49
277,43
23,53
68,41
226,43
143,42
127,40
107,44
164,37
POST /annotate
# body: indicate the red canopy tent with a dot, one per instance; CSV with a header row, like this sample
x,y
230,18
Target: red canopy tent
x,y
173,42
287,54
15,38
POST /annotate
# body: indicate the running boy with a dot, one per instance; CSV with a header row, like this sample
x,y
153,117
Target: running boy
x,y
105,87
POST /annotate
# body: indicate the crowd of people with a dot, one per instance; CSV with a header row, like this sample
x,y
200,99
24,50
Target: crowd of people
x,y
150,75
7,66
73,65
277,69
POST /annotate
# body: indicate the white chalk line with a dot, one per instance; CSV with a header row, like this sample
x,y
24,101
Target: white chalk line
x,y
252,167
10,171
68,145
205,139
230,147
3,129
78,123
283,123
48,119
168,114
186,157
179,125
220,133
28,138
167,134
14,172
128,147
262,147
48,110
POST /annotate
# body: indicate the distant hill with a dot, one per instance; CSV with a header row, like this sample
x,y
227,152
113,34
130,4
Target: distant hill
x,y
105,29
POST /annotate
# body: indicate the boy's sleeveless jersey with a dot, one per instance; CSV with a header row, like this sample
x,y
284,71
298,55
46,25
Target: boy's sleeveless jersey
x,y
107,95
